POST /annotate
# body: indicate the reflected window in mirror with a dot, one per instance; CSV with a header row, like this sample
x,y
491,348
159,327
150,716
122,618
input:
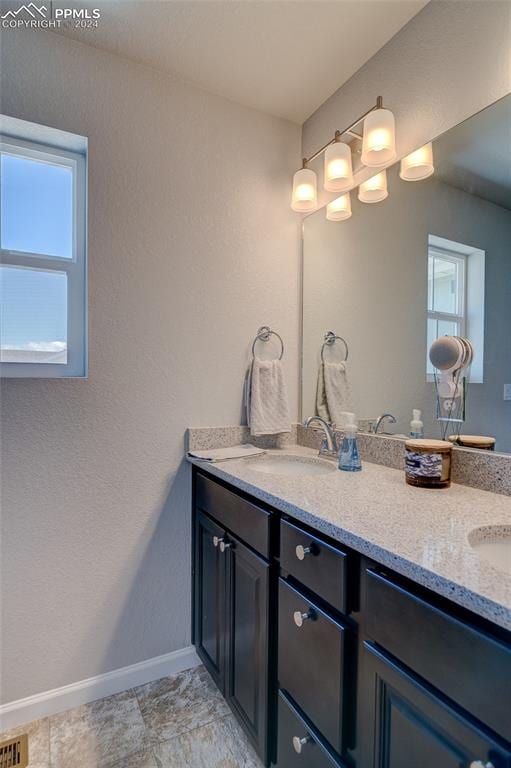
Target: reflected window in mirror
x,y
455,297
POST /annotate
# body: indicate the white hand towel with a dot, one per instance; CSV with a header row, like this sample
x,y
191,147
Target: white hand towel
x,y
334,393
269,409
247,386
223,454
321,403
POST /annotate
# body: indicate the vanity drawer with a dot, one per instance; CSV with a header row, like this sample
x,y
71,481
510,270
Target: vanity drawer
x,y
292,729
466,664
311,662
316,564
246,520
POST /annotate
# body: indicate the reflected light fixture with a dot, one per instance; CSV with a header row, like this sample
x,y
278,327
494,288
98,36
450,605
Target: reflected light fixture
x,y
374,190
305,192
338,174
379,141
339,209
418,165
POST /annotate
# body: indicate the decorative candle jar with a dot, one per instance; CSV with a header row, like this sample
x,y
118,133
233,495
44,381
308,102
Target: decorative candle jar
x,y
428,463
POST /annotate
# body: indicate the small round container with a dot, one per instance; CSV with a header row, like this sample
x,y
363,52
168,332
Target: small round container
x,y
482,442
428,463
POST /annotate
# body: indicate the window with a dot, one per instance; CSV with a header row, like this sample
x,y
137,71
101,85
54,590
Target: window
x,y
456,297
43,260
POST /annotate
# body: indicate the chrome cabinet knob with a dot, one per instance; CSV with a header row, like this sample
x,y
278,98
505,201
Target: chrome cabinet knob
x,y
222,543
299,743
299,617
301,551
481,764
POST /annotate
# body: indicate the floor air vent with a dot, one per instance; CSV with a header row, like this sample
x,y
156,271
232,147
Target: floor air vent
x,y
14,753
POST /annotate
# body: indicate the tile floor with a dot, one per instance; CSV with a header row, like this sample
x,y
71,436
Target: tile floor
x,y
175,722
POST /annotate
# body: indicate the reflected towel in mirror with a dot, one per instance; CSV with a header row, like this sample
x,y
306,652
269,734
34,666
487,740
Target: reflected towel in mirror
x,y
333,392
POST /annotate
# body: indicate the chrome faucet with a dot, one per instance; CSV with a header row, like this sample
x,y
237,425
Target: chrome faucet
x,y
329,446
383,417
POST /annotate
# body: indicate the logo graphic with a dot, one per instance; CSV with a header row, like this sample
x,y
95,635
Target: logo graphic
x,y
32,9
33,16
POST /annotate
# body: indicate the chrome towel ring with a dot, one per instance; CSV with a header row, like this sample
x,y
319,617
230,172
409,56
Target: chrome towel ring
x,y
263,334
329,340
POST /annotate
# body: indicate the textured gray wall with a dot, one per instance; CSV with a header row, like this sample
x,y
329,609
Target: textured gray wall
x,y
448,62
192,246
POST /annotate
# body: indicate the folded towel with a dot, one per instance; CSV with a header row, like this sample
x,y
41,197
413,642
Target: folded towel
x,y
333,393
247,386
222,454
269,409
321,403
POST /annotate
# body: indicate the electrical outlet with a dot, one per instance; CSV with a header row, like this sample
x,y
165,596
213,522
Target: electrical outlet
x,y
507,391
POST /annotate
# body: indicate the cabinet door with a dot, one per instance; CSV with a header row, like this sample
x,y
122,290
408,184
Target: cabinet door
x,y
210,598
404,723
247,678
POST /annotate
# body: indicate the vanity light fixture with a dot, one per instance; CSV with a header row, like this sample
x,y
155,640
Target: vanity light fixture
x,y
379,142
374,190
338,166
380,146
305,194
339,209
418,165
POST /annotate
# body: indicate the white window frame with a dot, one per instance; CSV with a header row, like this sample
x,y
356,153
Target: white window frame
x,y
75,267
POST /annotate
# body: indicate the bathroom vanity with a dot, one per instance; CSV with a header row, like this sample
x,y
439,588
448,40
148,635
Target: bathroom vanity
x,y
336,650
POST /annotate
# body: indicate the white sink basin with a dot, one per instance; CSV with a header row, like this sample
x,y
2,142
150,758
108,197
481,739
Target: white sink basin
x,y
493,544
292,466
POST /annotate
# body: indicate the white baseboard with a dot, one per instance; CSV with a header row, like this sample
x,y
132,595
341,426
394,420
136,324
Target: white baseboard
x,y
69,696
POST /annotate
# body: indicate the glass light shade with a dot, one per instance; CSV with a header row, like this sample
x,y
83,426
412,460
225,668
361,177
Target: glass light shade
x,y
379,142
418,165
338,167
305,195
374,190
339,209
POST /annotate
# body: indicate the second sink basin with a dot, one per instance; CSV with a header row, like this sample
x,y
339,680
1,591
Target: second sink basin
x,y
292,466
493,544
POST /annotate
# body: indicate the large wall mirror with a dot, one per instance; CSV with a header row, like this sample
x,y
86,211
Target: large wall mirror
x,y
433,258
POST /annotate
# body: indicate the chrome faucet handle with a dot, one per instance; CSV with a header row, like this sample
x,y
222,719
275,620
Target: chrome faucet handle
x,y
391,419
329,445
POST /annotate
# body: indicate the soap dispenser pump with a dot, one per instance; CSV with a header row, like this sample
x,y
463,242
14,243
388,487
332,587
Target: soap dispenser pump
x,y
349,457
416,425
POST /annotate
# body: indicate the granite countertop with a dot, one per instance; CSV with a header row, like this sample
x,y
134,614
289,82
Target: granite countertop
x,y
420,533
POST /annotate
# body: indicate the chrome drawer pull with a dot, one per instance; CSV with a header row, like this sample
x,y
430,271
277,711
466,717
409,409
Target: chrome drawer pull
x,y
299,617
299,743
301,551
480,764
216,541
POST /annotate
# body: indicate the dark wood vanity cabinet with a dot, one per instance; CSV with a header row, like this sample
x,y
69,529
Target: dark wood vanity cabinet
x,y
210,598
247,642
434,686
328,659
232,603
407,723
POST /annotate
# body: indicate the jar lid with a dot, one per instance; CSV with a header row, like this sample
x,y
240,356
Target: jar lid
x,y
426,445
473,441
